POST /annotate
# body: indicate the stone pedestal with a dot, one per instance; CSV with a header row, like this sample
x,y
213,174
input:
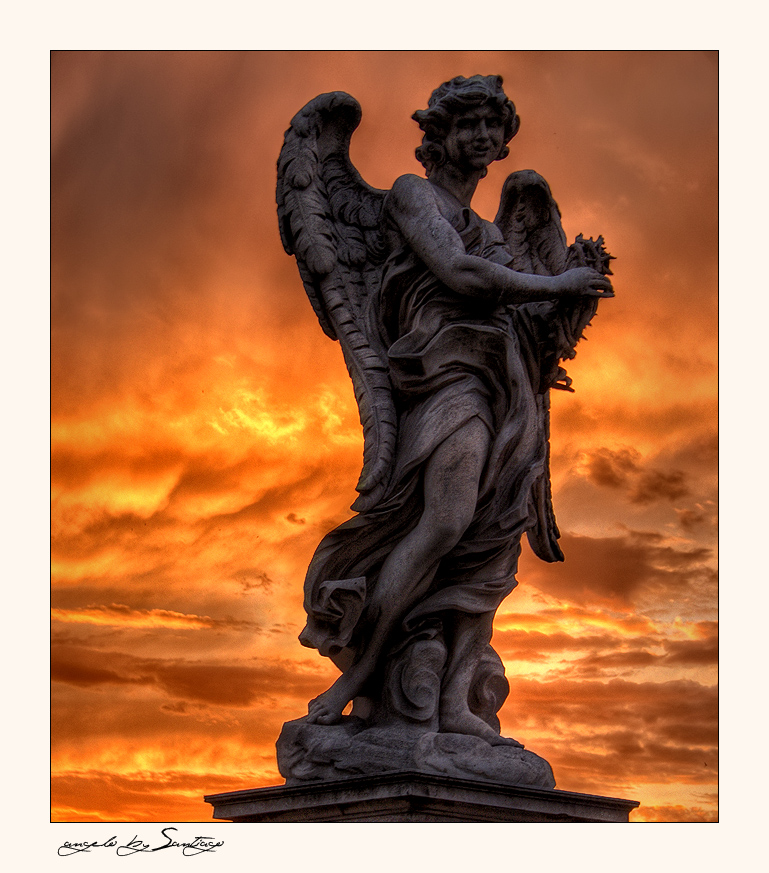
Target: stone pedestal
x,y
414,797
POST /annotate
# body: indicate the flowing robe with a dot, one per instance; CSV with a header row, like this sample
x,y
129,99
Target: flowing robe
x,y
452,358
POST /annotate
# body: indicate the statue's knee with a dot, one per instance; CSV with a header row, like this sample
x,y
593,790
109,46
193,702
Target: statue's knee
x,y
446,533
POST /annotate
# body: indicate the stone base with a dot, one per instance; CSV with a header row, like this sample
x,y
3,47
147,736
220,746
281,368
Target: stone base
x,y
326,753
414,797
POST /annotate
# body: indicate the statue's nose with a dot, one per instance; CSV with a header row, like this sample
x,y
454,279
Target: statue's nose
x,y
482,131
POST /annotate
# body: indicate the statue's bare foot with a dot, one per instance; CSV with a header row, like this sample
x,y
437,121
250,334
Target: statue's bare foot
x,y
327,708
462,721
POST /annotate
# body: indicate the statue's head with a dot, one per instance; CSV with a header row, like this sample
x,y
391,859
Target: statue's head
x,y
450,101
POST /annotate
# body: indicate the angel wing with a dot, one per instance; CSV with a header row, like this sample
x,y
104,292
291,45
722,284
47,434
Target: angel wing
x,y
530,222
329,220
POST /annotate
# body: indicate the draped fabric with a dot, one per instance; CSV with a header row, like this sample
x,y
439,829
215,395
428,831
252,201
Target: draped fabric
x,y
452,359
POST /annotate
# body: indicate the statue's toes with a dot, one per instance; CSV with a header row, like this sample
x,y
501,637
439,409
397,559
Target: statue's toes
x,y
320,712
506,741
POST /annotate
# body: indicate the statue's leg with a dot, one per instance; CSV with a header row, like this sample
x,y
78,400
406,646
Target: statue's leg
x,y
470,636
451,479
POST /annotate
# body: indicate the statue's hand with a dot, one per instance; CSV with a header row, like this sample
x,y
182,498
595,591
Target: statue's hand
x,y
583,282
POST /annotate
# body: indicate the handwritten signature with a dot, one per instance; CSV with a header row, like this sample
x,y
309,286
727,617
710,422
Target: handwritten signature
x,y
196,846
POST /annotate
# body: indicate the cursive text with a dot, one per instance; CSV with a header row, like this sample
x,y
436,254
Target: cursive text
x,y
195,846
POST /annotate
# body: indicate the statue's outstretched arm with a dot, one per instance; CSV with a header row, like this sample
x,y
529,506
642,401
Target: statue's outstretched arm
x,y
432,238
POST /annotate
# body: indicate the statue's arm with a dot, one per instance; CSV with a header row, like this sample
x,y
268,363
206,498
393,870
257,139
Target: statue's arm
x,y
412,207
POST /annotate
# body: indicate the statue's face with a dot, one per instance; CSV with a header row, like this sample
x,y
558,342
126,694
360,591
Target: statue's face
x,y
476,138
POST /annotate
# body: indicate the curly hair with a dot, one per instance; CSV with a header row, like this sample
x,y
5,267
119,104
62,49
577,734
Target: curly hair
x,y
452,99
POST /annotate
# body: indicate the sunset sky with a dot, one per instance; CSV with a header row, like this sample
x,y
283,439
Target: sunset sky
x,y
205,434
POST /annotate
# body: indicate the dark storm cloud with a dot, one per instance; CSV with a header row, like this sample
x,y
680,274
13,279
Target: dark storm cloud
x,y
620,732
142,717
625,660
615,570
608,654
77,466
694,652
694,519
612,469
656,485
110,530
623,469
236,685
619,702
76,672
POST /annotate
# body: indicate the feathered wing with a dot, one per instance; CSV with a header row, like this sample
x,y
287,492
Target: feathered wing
x,y
530,222
330,221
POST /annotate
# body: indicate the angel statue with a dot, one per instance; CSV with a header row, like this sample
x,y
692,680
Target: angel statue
x,y
453,330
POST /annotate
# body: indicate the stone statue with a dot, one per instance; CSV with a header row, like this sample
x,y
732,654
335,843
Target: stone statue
x,y
453,330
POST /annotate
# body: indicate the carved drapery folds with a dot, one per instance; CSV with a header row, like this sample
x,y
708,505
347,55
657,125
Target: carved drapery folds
x,y
429,361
